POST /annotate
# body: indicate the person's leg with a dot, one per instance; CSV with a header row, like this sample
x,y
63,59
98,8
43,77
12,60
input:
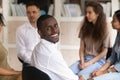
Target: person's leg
x,y
20,77
24,71
86,73
108,76
32,73
74,67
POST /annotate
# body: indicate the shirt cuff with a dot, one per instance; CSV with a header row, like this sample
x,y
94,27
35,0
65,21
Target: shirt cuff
x,y
108,60
117,67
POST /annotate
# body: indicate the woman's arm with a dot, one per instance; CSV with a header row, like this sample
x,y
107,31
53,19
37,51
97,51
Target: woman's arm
x,y
81,52
5,72
110,61
98,57
81,55
104,69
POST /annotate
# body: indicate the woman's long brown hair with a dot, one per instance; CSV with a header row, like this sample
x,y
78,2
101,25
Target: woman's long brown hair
x,y
97,30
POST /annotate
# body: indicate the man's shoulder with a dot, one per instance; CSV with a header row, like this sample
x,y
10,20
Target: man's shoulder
x,y
23,26
41,46
21,29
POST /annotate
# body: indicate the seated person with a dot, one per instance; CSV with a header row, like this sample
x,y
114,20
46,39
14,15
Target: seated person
x,y
111,69
46,57
95,40
6,73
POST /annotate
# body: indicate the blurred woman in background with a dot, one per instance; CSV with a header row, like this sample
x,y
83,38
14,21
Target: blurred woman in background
x,y
6,73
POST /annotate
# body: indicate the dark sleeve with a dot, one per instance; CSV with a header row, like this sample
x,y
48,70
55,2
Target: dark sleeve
x,y
112,58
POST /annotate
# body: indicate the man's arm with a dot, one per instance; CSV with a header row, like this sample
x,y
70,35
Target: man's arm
x,y
98,57
21,49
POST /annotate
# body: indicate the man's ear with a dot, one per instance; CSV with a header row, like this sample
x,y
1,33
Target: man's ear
x,y
39,32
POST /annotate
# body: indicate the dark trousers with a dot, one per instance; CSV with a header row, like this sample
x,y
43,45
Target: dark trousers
x,y
32,73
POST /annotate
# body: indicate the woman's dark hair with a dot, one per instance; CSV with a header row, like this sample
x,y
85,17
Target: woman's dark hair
x,y
117,14
2,20
41,19
97,30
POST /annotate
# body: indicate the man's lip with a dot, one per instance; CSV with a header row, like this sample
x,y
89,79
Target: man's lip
x,y
54,35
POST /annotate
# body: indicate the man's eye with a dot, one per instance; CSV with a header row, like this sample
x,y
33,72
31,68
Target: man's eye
x,y
34,11
56,25
48,28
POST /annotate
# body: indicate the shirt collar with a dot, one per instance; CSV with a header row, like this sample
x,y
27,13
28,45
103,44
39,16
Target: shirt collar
x,y
30,26
48,42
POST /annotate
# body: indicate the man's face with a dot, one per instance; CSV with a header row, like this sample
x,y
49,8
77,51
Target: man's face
x,y
50,30
32,13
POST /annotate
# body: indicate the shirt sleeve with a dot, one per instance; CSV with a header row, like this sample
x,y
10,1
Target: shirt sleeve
x,y
117,66
21,49
42,58
117,49
60,68
112,58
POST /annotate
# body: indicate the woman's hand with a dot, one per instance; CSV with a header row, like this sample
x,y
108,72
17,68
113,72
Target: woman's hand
x,y
83,65
17,72
90,79
98,72
14,72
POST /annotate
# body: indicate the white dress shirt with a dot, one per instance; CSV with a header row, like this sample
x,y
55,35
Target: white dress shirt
x,y
26,39
47,58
